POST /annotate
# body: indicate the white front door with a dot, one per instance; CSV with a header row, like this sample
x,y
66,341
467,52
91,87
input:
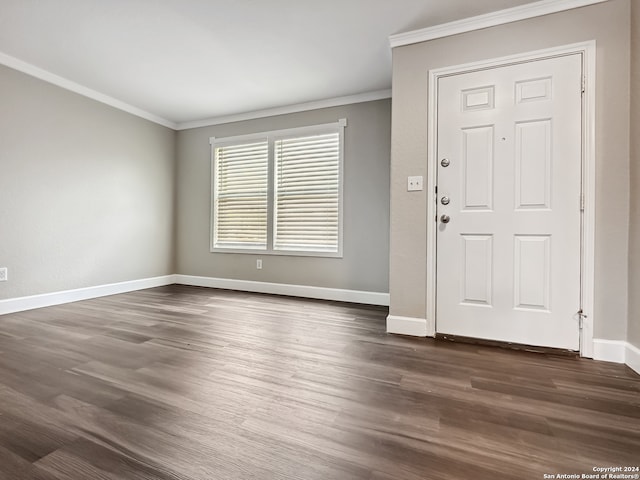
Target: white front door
x,y
509,184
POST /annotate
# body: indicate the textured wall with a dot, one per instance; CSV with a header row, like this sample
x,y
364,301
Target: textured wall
x,y
608,24
86,191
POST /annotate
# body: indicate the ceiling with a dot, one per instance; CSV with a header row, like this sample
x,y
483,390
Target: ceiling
x,y
189,60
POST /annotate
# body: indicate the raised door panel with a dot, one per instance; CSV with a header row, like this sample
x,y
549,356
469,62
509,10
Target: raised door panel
x,y
533,164
477,168
476,253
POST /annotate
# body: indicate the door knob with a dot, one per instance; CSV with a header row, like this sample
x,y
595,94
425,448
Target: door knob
x,y
445,218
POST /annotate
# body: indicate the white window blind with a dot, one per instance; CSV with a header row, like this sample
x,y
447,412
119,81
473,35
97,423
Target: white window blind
x,y
279,192
241,194
307,193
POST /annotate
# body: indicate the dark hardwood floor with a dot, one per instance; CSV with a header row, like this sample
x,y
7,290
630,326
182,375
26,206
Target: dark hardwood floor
x,y
191,383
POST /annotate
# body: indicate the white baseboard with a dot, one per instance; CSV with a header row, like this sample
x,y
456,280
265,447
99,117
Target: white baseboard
x,y
609,350
21,304
416,327
617,351
632,357
322,293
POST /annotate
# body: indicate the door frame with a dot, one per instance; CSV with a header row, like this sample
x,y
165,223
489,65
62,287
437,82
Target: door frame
x,y
588,185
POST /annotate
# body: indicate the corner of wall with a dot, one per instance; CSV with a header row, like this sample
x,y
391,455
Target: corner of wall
x,y
633,307
632,357
174,216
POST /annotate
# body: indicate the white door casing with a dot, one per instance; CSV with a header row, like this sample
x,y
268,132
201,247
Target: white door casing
x,y
509,260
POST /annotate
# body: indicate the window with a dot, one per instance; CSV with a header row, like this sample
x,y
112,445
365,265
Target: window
x,y
279,192
241,175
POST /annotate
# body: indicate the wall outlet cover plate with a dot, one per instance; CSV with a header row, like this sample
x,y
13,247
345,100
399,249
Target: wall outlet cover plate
x,y
414,184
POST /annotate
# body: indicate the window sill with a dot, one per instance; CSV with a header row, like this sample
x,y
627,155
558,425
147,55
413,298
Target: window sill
x,y
287,253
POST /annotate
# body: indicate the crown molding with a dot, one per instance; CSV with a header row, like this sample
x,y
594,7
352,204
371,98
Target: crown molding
x,y
62,82
492,19
300,107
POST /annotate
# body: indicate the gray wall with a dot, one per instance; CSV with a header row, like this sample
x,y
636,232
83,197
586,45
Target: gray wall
x,y
608,24
634,217
366,205
86,191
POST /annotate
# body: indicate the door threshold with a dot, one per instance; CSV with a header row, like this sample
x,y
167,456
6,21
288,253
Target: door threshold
x,y
507,345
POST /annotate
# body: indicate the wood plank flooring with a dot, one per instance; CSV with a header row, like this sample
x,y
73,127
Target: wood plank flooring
x,y
187,383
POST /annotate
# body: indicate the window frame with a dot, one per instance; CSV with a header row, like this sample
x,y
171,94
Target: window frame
x,y
271,137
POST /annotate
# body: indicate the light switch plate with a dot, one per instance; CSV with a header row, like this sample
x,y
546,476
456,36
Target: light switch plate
x,y
4,274
414,184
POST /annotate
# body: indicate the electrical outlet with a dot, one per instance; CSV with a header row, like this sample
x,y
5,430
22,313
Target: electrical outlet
x,y
4,274
414,184
259,264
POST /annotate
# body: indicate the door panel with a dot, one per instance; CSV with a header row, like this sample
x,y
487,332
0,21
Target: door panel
x,y
477,259
533,164
532,286
477,166
508,261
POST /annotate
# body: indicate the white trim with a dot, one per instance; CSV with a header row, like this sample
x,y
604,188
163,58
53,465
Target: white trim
x,y
492,19
589,191
20,304
31,302
300,107
632,357
306,291
609,350
432,199
62,82
587,48
617,351
276,134
416,327
588,52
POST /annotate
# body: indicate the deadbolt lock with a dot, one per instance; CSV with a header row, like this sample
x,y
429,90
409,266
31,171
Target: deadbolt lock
x,y
445,162
445,200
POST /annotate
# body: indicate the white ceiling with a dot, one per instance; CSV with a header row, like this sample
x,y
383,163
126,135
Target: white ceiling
x,y
187,60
